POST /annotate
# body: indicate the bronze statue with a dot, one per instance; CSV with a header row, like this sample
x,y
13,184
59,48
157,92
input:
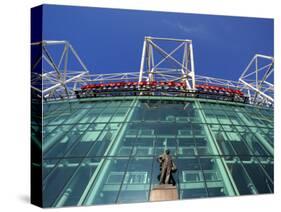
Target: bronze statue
x,y
167,166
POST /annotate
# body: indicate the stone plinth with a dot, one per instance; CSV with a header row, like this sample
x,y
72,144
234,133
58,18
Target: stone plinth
x,y
163,192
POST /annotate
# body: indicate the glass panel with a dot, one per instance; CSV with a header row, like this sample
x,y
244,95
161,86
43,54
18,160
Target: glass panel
x,y
48,166
136,184
268,165
198,130
186,146
149,110
256,145
108,183
91,115
120,115
85,143
211,117
264,134
191,180
102,143
223,142
56,119
125,147
194,116
125,103
76,116
54,183
60,141
255,171
143,147
234,118
98,128
215,127
221,116
213,177
240,176
106,115
202,145
73,191
238,144
163,143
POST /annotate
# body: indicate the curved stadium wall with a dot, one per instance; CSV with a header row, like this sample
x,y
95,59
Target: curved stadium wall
x,y
104,150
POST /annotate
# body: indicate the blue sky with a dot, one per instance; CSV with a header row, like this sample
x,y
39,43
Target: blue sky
x,y
110,40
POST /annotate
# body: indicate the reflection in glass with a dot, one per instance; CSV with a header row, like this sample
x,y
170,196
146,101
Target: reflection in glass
x,y
75,187
249,176
191,180
105,151
213,177
56,180
106,188
136,183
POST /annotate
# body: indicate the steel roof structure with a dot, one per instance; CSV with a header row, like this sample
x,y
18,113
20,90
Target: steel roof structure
x,y
257,80
163,59
57,77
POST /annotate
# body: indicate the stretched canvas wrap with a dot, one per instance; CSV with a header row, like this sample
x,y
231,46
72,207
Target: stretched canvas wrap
x,y
140,106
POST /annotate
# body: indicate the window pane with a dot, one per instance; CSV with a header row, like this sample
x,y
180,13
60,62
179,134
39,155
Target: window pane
x,y
73,191
239,145
223,142
120,115
102,143
57,179
136,184
240,176
108,183
212,175
191,181
143,146
60,141
261,182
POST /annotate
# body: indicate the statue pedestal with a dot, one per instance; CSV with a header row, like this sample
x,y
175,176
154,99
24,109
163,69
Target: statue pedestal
x,y
163,192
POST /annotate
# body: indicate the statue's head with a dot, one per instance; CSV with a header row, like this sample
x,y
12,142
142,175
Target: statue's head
x,y
167,151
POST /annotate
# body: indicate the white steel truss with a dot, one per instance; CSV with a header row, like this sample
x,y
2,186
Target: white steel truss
x,y
58,80
167,59
134,76
114,77
218,82
62,70
257,80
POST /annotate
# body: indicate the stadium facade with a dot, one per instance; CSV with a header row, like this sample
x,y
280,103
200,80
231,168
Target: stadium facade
x,y
100,135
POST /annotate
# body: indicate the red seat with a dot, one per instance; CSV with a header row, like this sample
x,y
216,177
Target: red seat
x,y
91,86
171,83
112,84
178,84
162,83
129,83
229,90
142,83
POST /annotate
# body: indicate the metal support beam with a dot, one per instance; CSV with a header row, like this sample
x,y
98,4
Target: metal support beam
x,y
57,79
156,57
256,80
163,59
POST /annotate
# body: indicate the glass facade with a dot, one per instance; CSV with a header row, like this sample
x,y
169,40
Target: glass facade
x,y
104,150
